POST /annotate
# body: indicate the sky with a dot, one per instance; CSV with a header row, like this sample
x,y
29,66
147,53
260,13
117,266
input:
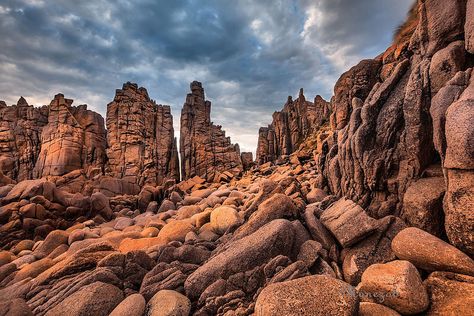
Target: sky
x,y
249,54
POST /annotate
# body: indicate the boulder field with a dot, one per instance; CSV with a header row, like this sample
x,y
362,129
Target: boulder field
x,y
361,205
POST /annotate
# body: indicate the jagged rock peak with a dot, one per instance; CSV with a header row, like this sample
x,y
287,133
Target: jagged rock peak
x,y
290,126
142,147
22,102
205,149
20,138
74,138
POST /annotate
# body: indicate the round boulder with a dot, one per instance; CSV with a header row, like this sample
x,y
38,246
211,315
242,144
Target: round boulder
x,y
175,230
168,303
223,218
97,299
133,305
396,284
309,296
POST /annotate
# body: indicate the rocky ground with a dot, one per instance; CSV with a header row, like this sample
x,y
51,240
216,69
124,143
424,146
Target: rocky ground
x,y
361,205
270,243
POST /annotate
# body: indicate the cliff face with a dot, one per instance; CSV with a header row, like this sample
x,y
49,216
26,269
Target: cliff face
x,y
20,138
74,138
290,127
141,144
204,148
405,115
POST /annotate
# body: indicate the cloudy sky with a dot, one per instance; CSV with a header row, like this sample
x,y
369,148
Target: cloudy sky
x,y
249,54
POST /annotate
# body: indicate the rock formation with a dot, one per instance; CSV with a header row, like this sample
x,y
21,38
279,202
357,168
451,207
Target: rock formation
x,y
204,148
141,144
290,127
404,115
74,138
20,138
407,114
247,160
378,221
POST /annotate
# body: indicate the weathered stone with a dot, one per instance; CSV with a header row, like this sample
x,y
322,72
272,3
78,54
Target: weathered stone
x,y
290,127
423,205
242,255
133,305
94,299
396,284
224,218
20,138
348,222
430,253
318,231
15,307
459,200
445,64
309,252
247,160
277,206
53,240
74,138
450,293
373,309
469,26
316,195
373,249
175,230
298,297
204,148
142,147
188,211
168,303
165,276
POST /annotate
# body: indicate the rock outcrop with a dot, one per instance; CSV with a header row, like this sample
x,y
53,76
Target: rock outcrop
x,y
406,115
20,138
247,160
205,150
141,144
74,138
290,127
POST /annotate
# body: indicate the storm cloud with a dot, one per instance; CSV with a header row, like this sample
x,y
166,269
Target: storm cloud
x,y
250,55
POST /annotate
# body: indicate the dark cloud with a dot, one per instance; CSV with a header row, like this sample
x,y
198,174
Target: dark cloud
x,y
249,54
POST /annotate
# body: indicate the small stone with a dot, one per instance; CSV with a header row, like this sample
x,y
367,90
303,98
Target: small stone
x,y
309,252
315,195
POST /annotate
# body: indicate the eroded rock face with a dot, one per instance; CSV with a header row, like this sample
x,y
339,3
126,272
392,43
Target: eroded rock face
x,y
142,147
290,127
20,138
204,148
384,136
247,160
297,297
74,138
